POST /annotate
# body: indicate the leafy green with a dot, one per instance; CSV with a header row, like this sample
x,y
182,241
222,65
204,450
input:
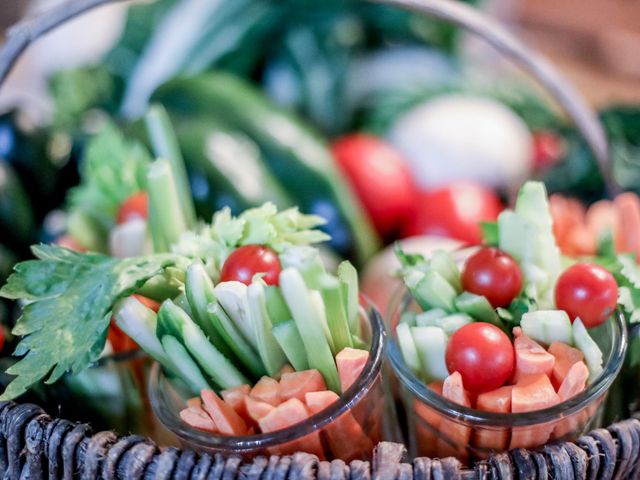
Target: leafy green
x,y
262,225
490,233
408,260
113,169
68,301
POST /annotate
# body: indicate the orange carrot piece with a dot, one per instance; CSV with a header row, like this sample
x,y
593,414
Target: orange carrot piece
x,y
286,369
534,392
350,363
194,402
455,434
602,216
628,206
497,401
198,418
575,381
297,384
345,435
267,390
531,358
427,424
234,397
226,418
256,409
565,357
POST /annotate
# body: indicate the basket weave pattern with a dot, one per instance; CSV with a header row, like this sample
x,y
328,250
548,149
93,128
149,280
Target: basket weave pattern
x,y
35,446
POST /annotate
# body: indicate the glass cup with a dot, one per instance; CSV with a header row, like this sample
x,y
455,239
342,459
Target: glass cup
x,y
348,429
437,427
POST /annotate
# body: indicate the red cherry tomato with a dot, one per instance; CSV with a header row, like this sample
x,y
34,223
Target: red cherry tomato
x,y
454,211
380,177
249,260
136,206
494,274
548,148
587,291
482,354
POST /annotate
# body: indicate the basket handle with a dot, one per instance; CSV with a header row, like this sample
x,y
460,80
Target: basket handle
x,y
21,35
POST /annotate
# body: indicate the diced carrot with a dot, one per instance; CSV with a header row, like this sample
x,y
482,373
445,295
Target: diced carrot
x,y
286,369
497,401
427,424
628,207
345,435
531,358
455,434
267,390
567,214
297,384
198,418
287,414
602,216
534,392
530,437
226,419
580,241
234,397
574,382
565,357
194,402
256,409
350,363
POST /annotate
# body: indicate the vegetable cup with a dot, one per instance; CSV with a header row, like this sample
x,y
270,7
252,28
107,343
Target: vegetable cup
x,y
347,429
437,427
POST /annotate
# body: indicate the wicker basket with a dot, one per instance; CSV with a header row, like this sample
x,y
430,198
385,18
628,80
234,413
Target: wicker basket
x,y
33,445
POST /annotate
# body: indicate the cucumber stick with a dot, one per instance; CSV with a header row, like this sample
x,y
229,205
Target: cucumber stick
x,y
309,323
186,368
174,321
590,349
431,344
276,306
443,263
449,323
478,307
408,348
202,299
428,318
410,318
288,336
547,326
269,349
434,290
348,276
232,297
336,314
307,261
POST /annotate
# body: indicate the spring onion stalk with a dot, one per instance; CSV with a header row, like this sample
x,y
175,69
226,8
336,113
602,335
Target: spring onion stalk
x,y
348,276
165,145
307,261
166,215
189,372
331,292
309,323
269,349
288,336
174,321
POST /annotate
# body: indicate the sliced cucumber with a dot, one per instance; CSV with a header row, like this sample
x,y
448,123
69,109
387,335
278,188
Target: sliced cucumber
x,y
518,236
590,349
453,322
269,349
408,348
431,344
478,307
434,290
185,367
409,318
443,263
547,326
288,336
428,318
232,297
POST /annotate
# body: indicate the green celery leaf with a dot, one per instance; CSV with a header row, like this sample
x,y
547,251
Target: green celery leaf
x,y
68,300
489,233
408,260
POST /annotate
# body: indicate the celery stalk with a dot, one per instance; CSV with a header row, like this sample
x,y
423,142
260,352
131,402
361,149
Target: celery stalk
x,y
288,336
276,306
269,349
186,368
307,261
165,145
298,298
331,292
348,276
318,303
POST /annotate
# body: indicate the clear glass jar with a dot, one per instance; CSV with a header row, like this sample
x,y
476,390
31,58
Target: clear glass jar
x,y
437,427
348,429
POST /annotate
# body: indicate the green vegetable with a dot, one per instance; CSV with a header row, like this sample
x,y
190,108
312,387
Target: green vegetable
x,y
348,276
433,291
431,344
232,297
479,308
547,326
408,348
70,297
185,366
309,324
425,319
449,323
590,349
276,306
307,261
288,336
442,262
331,292
172,320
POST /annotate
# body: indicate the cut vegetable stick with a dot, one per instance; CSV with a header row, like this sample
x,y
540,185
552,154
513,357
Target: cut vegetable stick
x,y
565,357
256,409
297,384
455,435
194,402
267,390
530,437
497,401
628,206
234,397
427,424
350,363
533,393
345,436
227,421
198,418
574,382
287,369
285,415
602,216
531,358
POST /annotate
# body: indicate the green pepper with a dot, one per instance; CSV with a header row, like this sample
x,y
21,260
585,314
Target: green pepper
x,y
295,154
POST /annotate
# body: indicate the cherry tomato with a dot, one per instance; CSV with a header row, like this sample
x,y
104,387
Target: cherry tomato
x,y
494,274
454,211
587,291
548,148
249,260
482,354
136,206
380,177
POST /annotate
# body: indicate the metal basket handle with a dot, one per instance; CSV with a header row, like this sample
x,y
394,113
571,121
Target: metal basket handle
x,y
24,33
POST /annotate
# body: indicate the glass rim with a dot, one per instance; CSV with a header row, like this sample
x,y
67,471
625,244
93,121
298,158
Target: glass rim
x,y
372,369
570,406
